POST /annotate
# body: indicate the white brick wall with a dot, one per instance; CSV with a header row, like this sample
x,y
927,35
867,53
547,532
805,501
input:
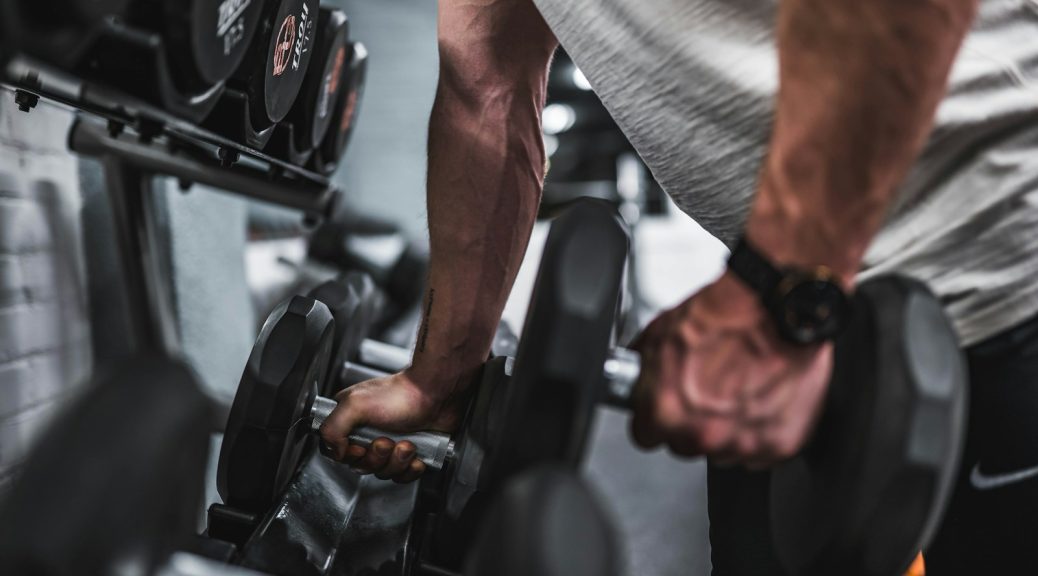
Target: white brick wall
x,y
45,351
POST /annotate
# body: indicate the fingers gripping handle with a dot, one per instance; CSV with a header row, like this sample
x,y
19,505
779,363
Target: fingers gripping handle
x,y
621,373
432,448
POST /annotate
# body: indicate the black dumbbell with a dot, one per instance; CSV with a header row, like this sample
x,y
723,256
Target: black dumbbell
x,y
356,305
56,31
265,85
380,249
377,359
277,408
116,483
205,40
327,156
868,489
545,522
308,121
282,55
272,419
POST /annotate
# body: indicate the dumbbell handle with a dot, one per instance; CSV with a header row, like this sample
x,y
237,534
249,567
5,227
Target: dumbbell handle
x,y
432,448
384,356
621,372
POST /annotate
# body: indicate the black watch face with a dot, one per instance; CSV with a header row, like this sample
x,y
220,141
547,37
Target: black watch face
x,y
812,311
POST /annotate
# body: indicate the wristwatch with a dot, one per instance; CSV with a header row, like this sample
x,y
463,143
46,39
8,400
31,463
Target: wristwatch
x,y
808,306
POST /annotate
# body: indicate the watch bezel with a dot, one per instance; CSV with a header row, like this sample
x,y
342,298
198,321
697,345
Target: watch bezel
x,y
793,278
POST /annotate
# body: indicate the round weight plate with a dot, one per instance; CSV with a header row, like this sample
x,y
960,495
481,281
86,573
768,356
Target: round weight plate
x,y
84,13
352,300
406,282
116,484
289,48
867,492
465,496
58,31
546,522
344,119
210,37
266,431
315,107
549,405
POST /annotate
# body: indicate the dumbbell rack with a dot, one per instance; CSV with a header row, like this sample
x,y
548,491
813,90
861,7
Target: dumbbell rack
x,y
175,147
135,142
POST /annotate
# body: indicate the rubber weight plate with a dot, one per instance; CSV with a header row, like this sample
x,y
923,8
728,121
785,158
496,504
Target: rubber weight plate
x,y
58,31
71,12
116,484
315,107
406,281
205,40
353,301
868,491
344,119
548,407
289,50
546,522
208,39
266,433
275,66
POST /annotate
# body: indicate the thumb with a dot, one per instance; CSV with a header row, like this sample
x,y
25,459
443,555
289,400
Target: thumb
x,y
335,430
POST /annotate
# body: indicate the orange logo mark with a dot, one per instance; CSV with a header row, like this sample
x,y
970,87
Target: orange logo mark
x,y
347,113
333,82
283,47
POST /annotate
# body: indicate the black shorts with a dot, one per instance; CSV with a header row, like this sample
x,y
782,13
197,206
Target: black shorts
x,y
991,524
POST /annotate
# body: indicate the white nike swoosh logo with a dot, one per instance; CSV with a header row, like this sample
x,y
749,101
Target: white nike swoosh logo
x,y
982,481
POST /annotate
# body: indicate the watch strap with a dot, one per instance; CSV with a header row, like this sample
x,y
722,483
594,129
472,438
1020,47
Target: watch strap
x,y
755,270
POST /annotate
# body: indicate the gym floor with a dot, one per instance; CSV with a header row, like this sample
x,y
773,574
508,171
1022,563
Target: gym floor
x,y
658,502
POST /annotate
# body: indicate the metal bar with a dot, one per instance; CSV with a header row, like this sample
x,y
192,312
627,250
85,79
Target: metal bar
x,y
357,373
148,297
621,371
92,139
109,103
384,356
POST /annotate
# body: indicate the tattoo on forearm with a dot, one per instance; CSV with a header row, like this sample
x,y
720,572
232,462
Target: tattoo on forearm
x,y
423,333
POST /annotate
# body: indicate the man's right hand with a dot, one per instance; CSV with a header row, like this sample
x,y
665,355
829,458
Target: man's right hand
x,y
394,404
486,170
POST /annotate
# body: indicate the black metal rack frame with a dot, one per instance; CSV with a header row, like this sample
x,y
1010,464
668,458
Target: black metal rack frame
x,y
136,141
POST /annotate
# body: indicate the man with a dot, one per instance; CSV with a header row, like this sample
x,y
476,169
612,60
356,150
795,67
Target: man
x,y
794,130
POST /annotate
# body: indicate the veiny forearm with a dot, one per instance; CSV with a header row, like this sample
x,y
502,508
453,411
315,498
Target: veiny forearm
x,y
860,82
486,170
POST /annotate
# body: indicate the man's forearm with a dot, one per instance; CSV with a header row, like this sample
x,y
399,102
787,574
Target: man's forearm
x,y
486,170
860,82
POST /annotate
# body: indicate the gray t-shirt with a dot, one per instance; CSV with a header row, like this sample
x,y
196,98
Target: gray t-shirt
x,y
692,84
